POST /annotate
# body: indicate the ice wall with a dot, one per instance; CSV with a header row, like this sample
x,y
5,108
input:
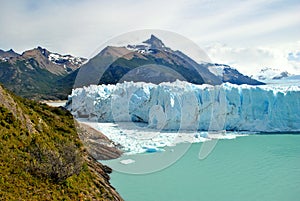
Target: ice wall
x,y
181,105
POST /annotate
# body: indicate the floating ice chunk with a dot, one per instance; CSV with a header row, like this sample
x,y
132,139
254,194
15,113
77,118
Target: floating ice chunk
x,y
152,149
145,140
127,161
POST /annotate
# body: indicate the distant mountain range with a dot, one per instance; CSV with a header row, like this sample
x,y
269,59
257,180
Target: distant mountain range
x,y
41,74
268,74
151,61
37,73
229,74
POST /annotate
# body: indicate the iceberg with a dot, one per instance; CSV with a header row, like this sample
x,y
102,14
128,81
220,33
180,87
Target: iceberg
x,y
127,161
184,106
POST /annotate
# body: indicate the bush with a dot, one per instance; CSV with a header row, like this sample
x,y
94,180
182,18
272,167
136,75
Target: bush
x,y
57,163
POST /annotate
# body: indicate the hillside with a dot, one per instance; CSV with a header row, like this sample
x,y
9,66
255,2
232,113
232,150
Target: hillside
x,y
42,157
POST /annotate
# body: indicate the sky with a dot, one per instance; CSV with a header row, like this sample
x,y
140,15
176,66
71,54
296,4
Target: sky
x,y
248,35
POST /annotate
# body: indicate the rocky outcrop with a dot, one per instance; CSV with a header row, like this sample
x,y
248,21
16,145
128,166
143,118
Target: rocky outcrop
x,y
102,180
97,144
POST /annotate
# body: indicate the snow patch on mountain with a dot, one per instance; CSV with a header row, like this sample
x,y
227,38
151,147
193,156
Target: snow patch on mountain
x,y
146,47
4,59
230,74
60,59
218,69
142,48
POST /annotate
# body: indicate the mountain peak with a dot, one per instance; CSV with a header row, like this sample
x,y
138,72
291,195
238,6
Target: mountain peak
x,y
11,51
44,51
155,42
9,54
36,52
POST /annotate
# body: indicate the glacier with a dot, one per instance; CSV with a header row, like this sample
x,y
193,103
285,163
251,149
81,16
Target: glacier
x,y
184,106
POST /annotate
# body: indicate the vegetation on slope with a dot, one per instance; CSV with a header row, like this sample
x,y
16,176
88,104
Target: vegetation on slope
x,y
42,157
27,79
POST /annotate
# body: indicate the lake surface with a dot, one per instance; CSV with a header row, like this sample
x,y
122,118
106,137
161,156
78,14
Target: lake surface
x,y
256,167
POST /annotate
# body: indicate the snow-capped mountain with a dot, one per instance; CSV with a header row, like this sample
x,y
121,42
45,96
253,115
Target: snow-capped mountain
x,y
66,60
229,74
54,62
151,61
38,73
267,74
147,47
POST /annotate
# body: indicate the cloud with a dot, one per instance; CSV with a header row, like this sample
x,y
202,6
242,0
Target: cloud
x,y
80,27
264,26
251,59
294,56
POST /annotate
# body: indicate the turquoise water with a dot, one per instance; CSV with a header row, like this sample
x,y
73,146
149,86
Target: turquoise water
x,y
258,167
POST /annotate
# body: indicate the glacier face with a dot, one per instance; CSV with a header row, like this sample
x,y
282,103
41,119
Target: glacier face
x,y
184,106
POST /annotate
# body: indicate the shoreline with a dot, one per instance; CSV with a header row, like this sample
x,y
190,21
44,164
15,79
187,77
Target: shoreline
x,y
124,139
97,144
139,139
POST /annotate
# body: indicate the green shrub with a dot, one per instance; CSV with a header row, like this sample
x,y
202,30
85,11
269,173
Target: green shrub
x,y
56,164
45,163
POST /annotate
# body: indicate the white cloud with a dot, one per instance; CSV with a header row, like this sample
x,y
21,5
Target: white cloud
x,y
294,56
250,60
80,27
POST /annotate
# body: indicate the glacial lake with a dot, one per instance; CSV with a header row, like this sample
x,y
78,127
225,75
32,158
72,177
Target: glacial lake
x,y
256,167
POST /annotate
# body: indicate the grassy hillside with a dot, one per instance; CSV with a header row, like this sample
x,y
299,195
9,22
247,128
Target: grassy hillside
x,y
42,157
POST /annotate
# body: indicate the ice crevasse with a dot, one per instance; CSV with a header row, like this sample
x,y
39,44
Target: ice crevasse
x,y
185,106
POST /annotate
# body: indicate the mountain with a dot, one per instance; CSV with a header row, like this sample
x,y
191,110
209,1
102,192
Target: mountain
x,y
4,55
229,74
271,74
54,62
41,74
42,157
151,61
37,73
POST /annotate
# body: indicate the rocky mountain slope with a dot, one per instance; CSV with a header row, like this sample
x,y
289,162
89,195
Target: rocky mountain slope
x,y
4,55
42,157
229,74
37,73
151,61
